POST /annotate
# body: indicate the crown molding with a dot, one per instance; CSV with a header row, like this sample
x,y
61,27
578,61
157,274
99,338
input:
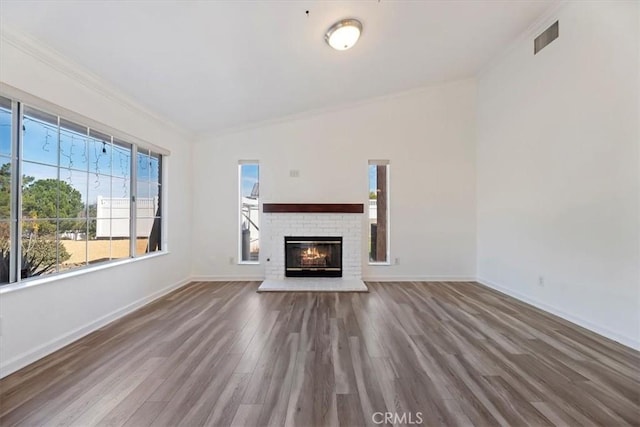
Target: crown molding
x,y
49,56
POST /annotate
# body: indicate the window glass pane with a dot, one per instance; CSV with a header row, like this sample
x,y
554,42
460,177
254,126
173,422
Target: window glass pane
x,y
72,194
5,126
143,229
99,245
5,250
154,197
143,190
155,237
39,191
73,241
40,137
74,152
120,227
99,195
40,249
378,212
155,165
144,165
5,188
122,160
147,207
249,212
120,244
149,235
72,228
100,155
121,189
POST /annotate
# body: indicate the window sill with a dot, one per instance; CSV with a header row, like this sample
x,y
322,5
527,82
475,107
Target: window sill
x,y
29,283
386,263
249,263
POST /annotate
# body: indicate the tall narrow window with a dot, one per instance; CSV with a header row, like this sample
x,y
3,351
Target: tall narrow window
x,y
249,212
378,211
6,157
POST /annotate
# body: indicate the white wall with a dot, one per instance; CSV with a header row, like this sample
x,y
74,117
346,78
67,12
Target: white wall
x,y
428,136
39,319
558,170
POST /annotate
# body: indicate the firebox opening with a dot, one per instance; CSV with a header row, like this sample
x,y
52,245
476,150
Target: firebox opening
x,y
315,256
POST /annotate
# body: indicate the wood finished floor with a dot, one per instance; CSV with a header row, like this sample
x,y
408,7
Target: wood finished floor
x,y
222,354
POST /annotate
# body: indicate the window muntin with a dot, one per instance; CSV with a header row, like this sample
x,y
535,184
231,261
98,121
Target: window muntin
x,y
249,245
75,195
378,211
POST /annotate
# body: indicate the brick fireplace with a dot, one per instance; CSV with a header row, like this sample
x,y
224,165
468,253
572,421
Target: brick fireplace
x,y
318,220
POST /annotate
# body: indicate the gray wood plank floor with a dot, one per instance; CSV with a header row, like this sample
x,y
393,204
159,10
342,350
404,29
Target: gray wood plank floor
x,y
222,354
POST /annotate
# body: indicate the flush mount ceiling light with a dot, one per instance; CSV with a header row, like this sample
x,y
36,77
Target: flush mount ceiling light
x,y
343,34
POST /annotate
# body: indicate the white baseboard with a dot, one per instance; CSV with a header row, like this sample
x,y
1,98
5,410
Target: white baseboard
x,y
39,352
227,278
419,279
366,279
598,329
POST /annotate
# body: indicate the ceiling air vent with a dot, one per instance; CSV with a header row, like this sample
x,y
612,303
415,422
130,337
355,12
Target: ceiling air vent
x,y
549,35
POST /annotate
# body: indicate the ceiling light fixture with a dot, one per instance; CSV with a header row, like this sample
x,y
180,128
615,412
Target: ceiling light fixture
x,y
343,34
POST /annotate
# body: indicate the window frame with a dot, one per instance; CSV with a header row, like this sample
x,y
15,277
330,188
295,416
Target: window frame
x,y
241,163
19,100
386,163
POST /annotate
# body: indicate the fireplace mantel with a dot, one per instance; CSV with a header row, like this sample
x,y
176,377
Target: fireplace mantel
x,y
356,208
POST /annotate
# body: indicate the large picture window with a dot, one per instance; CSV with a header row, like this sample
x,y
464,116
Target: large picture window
x,y
249,246
67,199
378,211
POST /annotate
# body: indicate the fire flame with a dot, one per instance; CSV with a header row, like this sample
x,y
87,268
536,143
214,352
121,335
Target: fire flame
x,y
312,253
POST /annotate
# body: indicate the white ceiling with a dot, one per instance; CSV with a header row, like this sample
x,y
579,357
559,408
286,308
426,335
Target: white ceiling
x,y
215,65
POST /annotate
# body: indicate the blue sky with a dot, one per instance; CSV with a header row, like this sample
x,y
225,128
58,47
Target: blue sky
x,y
93,167
373,178
249,175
